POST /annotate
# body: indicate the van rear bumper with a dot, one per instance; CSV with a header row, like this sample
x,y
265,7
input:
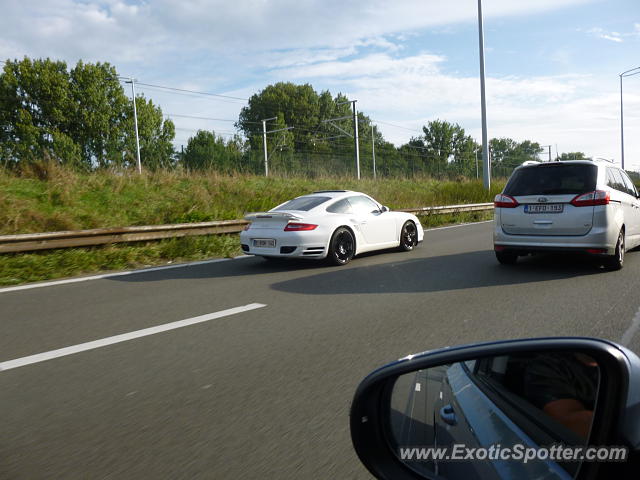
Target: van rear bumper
x,y
598,239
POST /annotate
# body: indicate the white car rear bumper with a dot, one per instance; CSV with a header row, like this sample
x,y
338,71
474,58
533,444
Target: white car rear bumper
x,y
597,238
309,244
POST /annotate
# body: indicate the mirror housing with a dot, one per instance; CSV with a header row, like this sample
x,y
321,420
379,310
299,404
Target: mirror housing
x,y
616,419
384,209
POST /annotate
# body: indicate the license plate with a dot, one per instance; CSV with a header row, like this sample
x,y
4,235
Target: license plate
x,y
544,208
264,242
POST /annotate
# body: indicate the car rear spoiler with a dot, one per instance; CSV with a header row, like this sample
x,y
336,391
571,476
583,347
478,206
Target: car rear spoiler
x,y
252,217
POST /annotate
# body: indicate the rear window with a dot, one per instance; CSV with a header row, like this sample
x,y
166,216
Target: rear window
x,y
552,180
303,204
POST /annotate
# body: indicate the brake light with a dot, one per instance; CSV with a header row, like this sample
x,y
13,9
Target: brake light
x,y
247,227
299,227
504,201
597,197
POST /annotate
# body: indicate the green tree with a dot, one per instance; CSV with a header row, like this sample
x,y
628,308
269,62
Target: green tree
x,y
206,150
439,140
312,140
444,147
293,105
464,157
80,117
572,156
528,150
99,116
35,107
156,136
507,154
202,151
502,151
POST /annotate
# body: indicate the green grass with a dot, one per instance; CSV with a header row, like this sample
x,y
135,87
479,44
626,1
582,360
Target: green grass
x,y
66,200
433,221
21,268
60,199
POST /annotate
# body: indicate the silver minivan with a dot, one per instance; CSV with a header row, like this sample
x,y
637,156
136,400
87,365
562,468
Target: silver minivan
x,y
583,206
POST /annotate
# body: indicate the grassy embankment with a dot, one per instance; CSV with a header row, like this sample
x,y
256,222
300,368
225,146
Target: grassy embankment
x,y
58,199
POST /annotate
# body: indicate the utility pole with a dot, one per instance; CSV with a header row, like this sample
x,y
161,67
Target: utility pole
x,y
628,73
132,81
483,101
355,130
264,144
264,141
477,173
355,137
621,126
373,150
549,147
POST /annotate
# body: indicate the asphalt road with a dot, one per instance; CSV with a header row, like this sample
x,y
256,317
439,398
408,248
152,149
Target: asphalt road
x,y
265,393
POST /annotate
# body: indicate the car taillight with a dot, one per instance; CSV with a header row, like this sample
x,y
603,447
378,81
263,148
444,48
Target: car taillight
x,y
299,227
247,227
504,201
597,197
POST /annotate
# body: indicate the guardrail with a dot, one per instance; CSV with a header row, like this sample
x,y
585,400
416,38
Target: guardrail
x,y
469,207
83,238
100,236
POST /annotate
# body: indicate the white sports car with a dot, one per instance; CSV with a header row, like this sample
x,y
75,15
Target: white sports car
x,y
331,224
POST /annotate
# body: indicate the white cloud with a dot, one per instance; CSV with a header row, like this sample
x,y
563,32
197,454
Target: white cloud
x,y
122,32
616,37
600,33
355,47
375,65
568,110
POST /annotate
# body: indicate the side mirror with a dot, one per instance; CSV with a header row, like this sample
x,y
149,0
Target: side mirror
x,y
514,409
384,209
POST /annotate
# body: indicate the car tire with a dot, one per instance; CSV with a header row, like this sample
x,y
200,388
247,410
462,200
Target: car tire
x,y
408,236
616,261
342,247
507,258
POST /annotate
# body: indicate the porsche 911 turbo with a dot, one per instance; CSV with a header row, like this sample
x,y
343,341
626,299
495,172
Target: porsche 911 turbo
x,y
331,224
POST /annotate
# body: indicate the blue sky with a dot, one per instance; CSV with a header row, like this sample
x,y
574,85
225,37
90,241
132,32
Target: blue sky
x,y
552,65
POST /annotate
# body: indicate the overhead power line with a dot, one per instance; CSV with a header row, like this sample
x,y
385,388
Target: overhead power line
x,y
184,90
169,115
397,126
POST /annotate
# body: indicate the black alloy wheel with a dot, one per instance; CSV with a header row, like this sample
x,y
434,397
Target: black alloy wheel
x,y
408,237
342,247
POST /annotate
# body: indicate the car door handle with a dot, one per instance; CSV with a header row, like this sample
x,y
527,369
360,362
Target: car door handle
x,y
447,415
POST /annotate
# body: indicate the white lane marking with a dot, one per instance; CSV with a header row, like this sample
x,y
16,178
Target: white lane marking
x,y
417,387
83,347
632,330
456,226
117,274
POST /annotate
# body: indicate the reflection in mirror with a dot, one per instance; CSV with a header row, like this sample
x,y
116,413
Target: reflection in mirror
x,y
501,406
